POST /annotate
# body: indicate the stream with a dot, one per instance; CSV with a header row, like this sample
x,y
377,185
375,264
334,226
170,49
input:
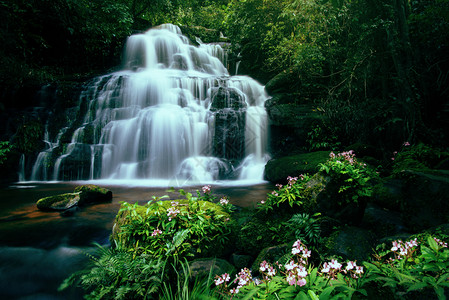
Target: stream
x,y
38,250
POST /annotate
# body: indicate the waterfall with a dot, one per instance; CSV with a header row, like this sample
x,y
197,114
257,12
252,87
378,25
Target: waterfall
x,y
172,113
21,173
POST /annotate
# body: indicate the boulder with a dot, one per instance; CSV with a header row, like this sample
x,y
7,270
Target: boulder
x,y
284,110
270,254
285,81
351,243
83,195
227,97
90,194
323,197
59,202
425,201
277,170
241,261
203,266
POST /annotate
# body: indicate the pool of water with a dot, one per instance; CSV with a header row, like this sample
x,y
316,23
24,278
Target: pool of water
x,y
39,249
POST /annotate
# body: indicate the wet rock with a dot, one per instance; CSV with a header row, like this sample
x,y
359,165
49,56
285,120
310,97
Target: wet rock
x,y
83,195
277,170
93,194
352,243
59,202
425,201
202,267
70,212
241,261
270,254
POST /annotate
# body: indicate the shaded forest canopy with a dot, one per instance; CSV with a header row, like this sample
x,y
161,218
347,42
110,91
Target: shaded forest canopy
x,y
375,70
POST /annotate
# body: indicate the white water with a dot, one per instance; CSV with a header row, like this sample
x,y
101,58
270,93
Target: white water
x,y
155,119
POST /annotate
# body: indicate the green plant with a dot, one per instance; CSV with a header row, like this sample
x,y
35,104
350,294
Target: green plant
x,y
5,148
305,228
416,157
181,228
291,193
183,289
412,266
118,274
318,139
351,179
296,279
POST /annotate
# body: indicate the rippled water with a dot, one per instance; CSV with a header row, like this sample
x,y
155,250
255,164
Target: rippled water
x,y
39,249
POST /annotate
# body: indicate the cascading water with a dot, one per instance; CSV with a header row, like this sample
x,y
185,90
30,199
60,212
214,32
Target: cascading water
x,y
173,113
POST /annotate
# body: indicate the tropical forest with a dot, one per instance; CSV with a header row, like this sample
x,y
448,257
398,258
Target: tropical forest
x,y
224,149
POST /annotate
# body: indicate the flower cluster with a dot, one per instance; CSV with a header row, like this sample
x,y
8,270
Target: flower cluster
x,y
291,192
333,268
222,279
156,232
224,201
267,270
440,243
348,156
173,211
206,189
295,273
404,249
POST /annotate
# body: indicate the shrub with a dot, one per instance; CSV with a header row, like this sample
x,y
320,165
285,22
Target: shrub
x,y
118,274
351,179
190,227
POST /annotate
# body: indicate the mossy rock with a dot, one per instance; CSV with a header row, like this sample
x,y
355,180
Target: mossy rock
x,y
277,170
202,267
59,202
271,254
351,243
93,194
83,195
425,201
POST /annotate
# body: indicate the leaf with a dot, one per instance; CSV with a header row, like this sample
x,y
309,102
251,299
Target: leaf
x,y
312,295
433,244
327,292
416,286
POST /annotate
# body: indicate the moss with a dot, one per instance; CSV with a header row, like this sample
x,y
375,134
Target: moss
x,y
58,202
91,194
277,170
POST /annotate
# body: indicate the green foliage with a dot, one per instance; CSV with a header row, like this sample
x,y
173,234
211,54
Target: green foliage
x,y
183,289
291,194
352,179
412,266
28,137
320,138
5,148
182,228
297,279
118,274
416,157
305,228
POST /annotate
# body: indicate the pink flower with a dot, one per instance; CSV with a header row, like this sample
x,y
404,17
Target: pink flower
x,y
206,189
351,265
224,201
156,232
263,266
406,144
271,271
326,268
359,270
219,281
290,266
172,212
334,264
